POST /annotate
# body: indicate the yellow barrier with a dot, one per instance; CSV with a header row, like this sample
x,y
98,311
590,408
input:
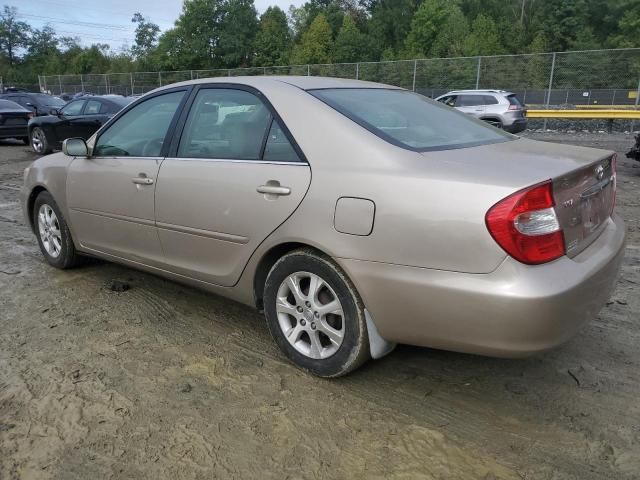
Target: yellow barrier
x,y
609,107
586,114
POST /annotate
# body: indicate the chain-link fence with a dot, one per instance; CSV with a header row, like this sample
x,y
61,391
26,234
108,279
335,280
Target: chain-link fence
x,y
593,77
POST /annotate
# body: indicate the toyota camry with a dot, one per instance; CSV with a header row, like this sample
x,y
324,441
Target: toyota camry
x,y
355,215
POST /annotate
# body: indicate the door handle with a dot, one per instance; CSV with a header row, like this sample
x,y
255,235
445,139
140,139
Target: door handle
x,y
273,190
142,180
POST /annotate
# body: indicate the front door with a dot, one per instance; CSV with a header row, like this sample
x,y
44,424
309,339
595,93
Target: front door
x,y
110,196
234,178
70,116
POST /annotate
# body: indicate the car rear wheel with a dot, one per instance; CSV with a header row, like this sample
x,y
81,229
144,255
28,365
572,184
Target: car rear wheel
x,y
52,232
494,122
39,142
315,314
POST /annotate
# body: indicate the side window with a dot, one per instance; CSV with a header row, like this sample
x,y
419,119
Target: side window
x,y
225,123
469,101
278,147
141,131
489,100
73,108
93,107
450,100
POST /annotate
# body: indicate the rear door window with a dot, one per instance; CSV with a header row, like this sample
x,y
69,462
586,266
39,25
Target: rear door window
x,y
225,123
278,148
489,100
93,107
469,100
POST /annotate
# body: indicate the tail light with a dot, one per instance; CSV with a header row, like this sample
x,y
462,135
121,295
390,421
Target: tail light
x,y
515,107
30,115
525,225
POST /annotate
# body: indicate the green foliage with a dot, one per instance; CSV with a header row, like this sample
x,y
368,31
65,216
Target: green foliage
x,y
484,38
351,45
315,44
146,36
273,40
434,20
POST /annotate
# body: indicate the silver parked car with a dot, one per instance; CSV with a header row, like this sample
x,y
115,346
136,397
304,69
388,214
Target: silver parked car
x,y
496,107
356,215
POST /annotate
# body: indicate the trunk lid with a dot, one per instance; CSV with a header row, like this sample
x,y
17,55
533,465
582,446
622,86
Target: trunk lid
x,y
583,180
584,201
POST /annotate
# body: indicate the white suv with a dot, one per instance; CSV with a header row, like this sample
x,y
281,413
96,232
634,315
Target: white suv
x,y
499,108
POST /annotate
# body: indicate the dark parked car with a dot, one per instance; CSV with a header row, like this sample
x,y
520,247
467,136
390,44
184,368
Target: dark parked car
x,y
13,121
78,118
38,103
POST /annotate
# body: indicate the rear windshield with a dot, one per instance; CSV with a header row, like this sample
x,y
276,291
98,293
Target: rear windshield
x,y
513,100
49,100
410,120
9,105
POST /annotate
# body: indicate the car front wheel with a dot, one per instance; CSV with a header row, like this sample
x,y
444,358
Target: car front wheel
x,y
315,314
52,232
39,142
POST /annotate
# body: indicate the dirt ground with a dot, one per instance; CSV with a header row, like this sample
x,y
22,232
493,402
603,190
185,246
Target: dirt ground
x,y
163,381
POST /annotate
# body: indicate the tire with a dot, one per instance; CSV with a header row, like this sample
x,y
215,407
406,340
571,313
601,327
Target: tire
x,y
494,122
302,331
39,142
58,249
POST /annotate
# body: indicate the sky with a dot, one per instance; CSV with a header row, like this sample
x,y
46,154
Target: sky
x,y
108,21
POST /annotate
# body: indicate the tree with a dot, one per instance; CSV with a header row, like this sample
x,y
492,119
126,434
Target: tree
x,y
92,60
146,36
13,34
427,25
390,23
273,40
194,42
237,30
484,38
315,45
351,45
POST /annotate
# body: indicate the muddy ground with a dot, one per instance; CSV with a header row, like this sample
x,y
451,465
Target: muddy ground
x,y
163,381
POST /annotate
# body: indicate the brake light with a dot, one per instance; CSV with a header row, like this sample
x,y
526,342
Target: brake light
x,y
515,107
525,225
30,115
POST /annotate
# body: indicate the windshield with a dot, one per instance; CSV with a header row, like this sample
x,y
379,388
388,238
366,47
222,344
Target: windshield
x,y
410,120
49,100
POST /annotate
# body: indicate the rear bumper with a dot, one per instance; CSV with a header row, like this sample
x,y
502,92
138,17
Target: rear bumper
x,y
514,311
18,131
517,126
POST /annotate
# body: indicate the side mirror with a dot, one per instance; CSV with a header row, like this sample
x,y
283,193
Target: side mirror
x,y
75,147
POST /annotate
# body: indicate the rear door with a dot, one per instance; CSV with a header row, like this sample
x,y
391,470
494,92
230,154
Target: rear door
x,y
471,104
91,120
233,177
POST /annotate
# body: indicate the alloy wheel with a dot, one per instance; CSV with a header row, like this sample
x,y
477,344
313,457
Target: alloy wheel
x,y
310,315
49,229
37,140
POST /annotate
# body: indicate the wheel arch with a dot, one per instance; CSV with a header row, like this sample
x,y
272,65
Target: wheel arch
x,y
268,260
31,200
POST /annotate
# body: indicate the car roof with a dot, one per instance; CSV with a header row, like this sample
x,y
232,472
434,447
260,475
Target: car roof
x,y
303,82
501,92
